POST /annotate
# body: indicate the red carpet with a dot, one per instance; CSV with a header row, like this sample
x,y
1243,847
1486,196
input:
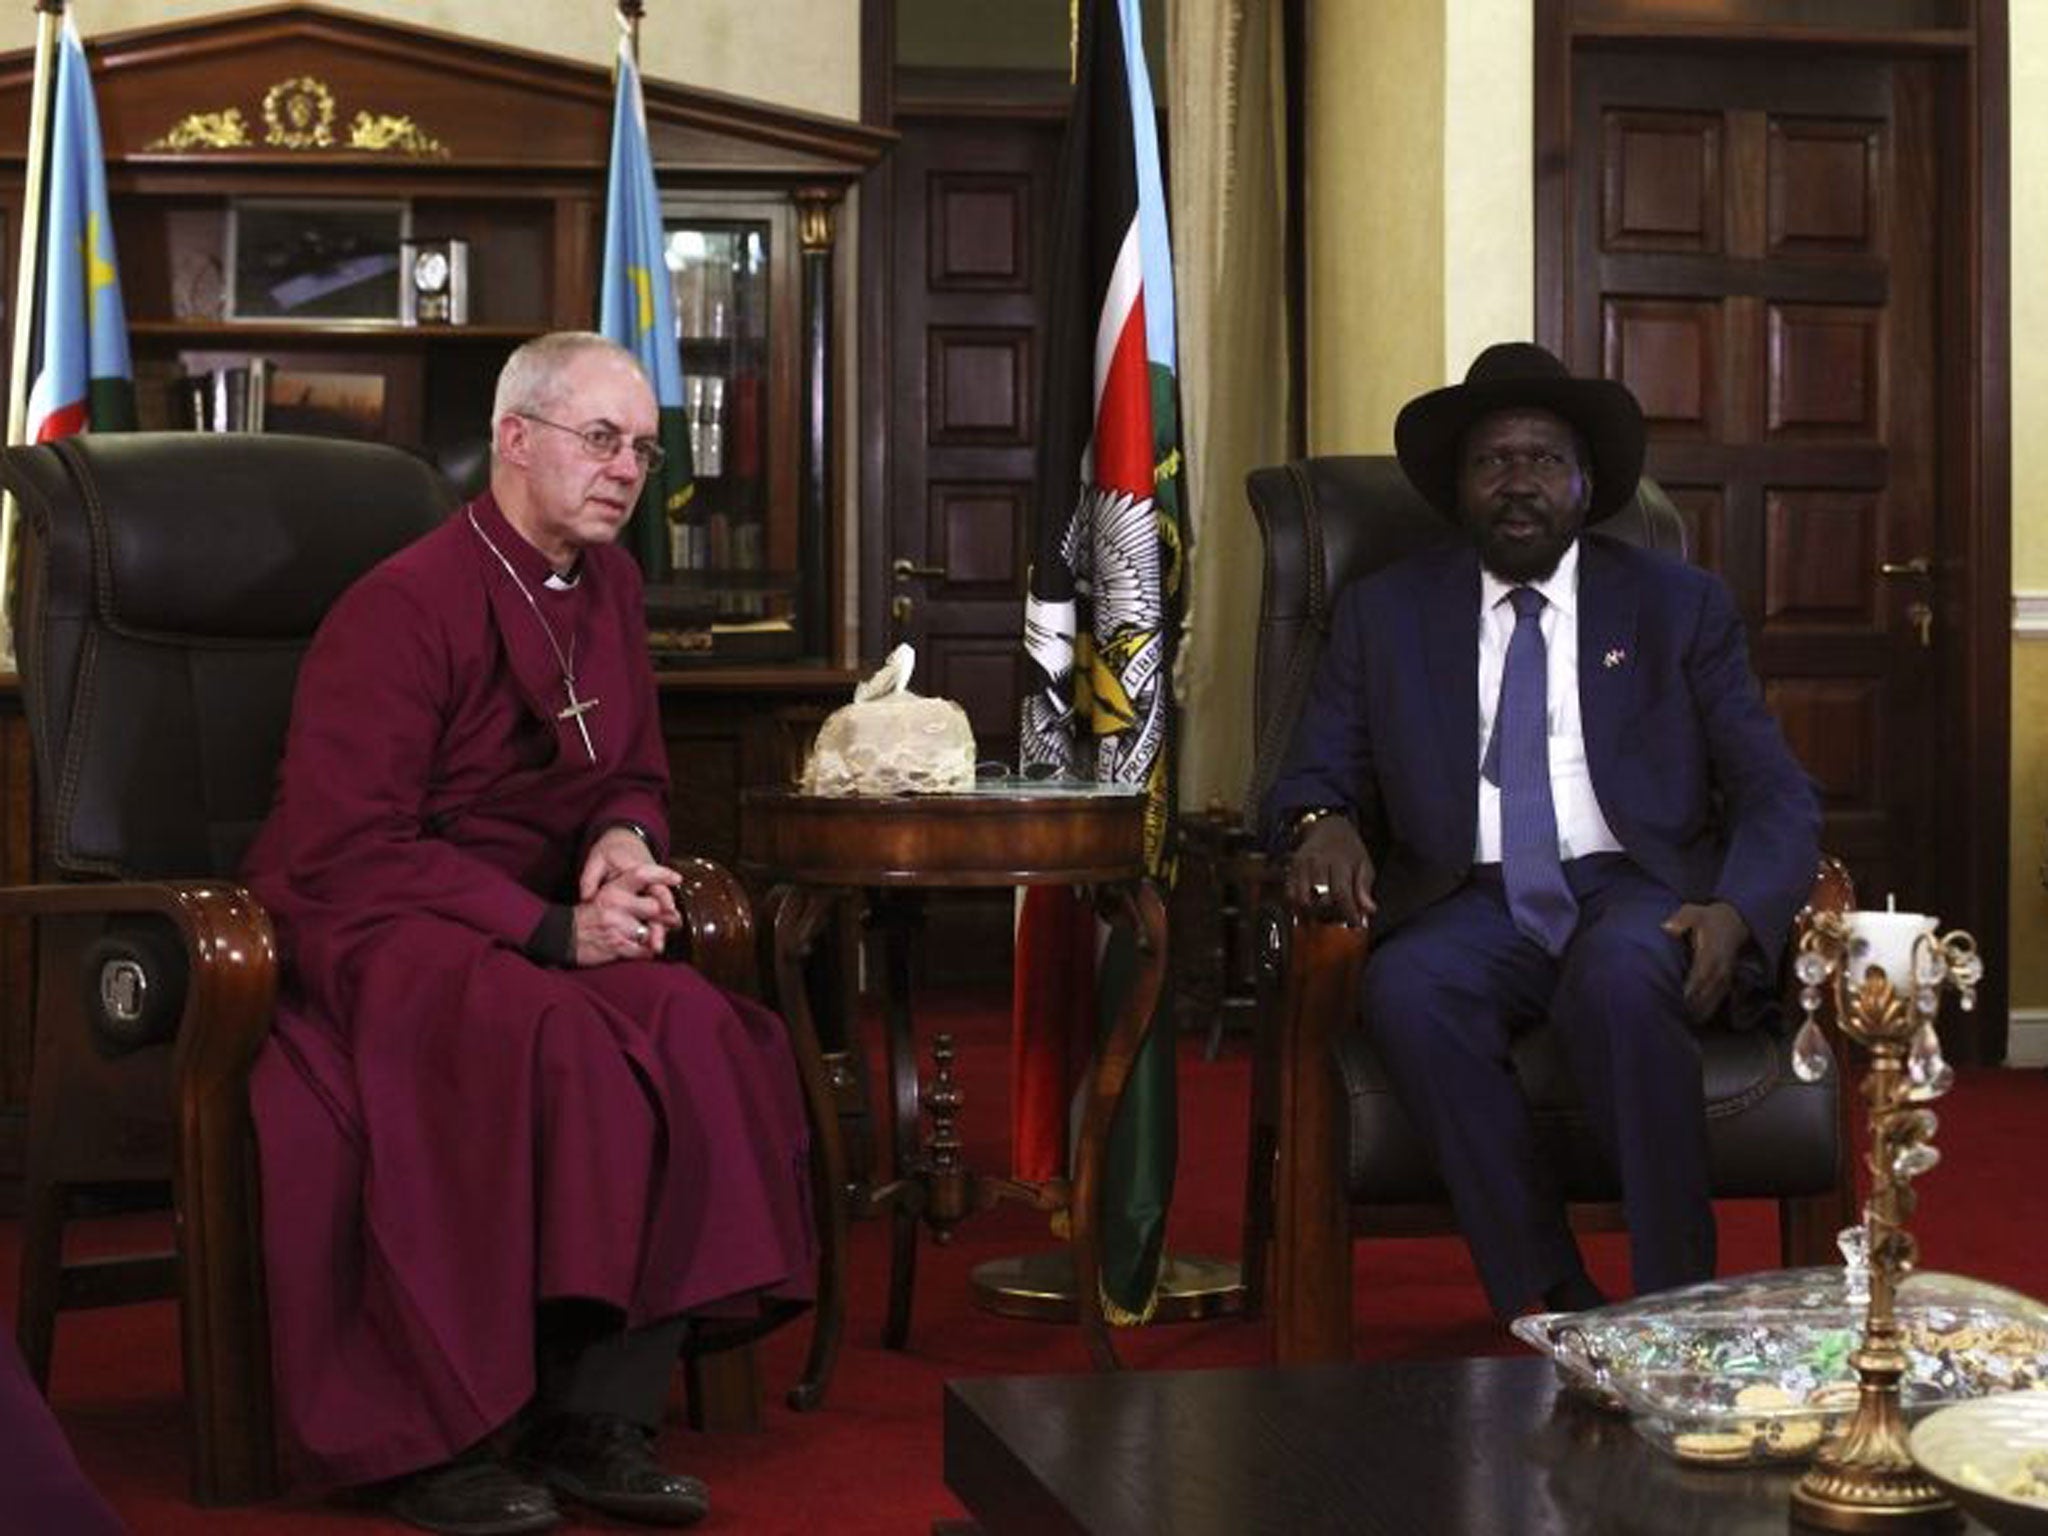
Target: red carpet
x,y
869,1461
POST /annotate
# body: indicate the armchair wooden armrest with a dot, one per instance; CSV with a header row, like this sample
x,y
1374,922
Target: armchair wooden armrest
x,y
718,924
1308,977
79,1133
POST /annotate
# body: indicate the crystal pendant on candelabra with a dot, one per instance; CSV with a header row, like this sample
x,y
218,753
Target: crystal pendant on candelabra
x,y
1854,1243
1911,1162
1929,1075
1811,1057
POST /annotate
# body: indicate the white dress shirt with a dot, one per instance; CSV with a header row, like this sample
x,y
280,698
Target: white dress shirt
x,y
1581,828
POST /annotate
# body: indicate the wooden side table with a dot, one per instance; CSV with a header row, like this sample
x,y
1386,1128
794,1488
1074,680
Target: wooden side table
x,y
819,851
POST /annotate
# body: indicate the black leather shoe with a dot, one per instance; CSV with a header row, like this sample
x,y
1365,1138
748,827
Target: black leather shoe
x,y
475,1496
608,1463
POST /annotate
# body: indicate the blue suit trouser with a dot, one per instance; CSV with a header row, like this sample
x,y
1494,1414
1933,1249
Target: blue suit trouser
x,y
1447,993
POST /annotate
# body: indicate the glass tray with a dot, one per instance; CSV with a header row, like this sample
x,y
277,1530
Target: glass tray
x,y
1756,1368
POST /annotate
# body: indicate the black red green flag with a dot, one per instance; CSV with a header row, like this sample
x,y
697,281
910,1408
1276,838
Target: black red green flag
x,y
1099,628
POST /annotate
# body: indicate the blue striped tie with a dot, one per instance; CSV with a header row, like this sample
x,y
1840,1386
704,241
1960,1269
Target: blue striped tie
x,y
1518,760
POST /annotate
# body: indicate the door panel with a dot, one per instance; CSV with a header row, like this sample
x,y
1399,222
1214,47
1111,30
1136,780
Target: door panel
x,y
973,205
1751,253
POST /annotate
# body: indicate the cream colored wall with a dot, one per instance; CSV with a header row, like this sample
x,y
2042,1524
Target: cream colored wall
x,y
1489,177
1375,215
796,53
1421,203
2028,952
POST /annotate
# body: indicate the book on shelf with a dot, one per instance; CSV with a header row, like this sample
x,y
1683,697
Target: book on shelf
x,y
748,640
259,395
697,621
231,399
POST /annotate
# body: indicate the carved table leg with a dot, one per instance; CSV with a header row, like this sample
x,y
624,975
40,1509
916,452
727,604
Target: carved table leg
x,y
830,971
898,914
799,914
1137,903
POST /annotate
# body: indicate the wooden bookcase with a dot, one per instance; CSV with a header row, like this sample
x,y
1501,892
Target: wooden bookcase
x,y
507,149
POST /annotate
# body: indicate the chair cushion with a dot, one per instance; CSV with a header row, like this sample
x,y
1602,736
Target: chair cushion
x,y
171,584
1768,1133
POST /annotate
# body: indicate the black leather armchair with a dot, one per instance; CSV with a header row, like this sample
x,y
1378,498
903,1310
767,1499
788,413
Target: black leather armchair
x,y
1332,1154
171,584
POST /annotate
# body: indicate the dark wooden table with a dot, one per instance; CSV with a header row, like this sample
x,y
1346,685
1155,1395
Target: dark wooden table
x,y
1408,1448
820,851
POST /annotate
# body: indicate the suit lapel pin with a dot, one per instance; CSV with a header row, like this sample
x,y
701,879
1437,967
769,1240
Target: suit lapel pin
x,y
1614,658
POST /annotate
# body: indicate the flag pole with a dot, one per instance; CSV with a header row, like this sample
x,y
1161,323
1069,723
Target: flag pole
x,y
49,16
630,13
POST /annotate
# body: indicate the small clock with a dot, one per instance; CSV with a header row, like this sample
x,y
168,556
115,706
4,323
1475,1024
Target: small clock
x,y
434,279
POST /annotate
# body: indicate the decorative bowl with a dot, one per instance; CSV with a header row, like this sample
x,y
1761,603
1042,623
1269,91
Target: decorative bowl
x,y
1757,1369
1991,1456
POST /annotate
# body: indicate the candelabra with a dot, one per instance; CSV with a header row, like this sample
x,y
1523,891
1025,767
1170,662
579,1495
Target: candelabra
x,y
1864,1478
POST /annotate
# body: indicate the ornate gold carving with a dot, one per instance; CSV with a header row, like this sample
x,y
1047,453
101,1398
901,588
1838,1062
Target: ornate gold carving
x,y
384,132
814,219
299,114
207,130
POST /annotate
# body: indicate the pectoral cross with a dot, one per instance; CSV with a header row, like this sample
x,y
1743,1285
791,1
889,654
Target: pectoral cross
x,y
576,710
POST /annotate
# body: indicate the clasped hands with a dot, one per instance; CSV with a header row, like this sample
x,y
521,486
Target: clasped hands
x,y
1331,875
626,903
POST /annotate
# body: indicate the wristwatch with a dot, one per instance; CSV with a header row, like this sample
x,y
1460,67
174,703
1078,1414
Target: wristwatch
x,y
1303,820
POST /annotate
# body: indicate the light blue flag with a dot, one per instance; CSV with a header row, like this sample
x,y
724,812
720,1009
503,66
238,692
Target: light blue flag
x,y
83,379
637,310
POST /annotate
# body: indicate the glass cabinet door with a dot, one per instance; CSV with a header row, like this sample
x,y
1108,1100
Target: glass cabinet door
x,y
734,545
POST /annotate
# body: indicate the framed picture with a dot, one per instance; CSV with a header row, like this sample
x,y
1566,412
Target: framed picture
x,y
330,262
325,404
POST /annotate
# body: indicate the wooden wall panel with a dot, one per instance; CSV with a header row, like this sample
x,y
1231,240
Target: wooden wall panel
x,y
705,771
1661,182
1825,190
1704,508
977,533
1825,371
1669,353
980,385
985,678
1833,725
979,237
1820,559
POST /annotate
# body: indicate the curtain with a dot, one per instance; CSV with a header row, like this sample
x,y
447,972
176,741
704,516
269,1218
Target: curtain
x,y
1227,186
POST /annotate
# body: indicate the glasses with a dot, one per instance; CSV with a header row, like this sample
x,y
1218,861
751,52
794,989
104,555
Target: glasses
x,y
991,771
601,441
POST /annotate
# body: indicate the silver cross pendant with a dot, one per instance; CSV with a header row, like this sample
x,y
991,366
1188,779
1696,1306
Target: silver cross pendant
x,y
576,710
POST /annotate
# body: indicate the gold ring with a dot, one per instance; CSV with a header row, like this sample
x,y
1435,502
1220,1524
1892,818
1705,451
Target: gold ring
x,y
640,934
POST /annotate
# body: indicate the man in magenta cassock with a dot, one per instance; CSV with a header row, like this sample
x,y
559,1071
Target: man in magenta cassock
x,y
505,1153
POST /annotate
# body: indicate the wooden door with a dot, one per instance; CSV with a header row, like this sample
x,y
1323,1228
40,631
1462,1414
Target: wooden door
x,y
1756,248
973,205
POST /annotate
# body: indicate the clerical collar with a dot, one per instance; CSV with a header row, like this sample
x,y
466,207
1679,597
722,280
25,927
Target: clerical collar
x,y
533,567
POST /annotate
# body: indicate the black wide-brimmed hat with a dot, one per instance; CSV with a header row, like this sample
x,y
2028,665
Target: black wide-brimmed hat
x,y
1520,373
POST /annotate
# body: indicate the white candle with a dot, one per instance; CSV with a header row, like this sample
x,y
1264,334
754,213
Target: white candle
x,y
1886,939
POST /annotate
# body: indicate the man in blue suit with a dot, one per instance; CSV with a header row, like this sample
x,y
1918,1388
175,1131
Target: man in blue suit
x,y
1540,766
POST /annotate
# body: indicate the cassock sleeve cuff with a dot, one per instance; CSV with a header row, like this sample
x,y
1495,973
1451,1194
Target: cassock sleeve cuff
x,y
553,938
